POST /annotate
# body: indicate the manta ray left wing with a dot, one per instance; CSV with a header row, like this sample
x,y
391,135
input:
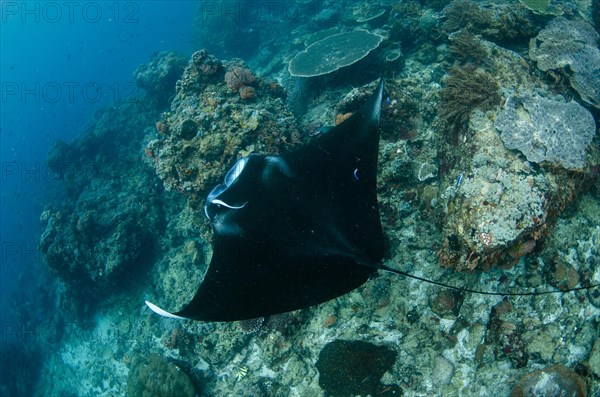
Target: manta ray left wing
x,y
294,230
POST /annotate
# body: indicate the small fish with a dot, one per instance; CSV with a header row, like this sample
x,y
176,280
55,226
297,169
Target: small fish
x,y
356,174
459,180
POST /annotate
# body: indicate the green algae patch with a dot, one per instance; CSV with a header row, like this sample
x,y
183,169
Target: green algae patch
x,y
334,52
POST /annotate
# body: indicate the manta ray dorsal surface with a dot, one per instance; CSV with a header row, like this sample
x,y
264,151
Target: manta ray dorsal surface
x,y
294,230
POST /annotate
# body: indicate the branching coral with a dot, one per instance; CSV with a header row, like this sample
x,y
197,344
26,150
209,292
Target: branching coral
x,y
465,13
467,89
497,22
466,47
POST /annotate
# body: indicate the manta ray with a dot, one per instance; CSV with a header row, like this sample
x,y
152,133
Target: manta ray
x,y
298,229
294,230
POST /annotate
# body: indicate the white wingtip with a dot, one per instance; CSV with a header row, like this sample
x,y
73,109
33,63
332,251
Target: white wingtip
x,y
162,312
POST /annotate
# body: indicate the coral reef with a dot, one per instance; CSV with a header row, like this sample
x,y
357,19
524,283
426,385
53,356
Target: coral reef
x,y
560,139
209,127
467,48
573,44
499,22
239,78
497,207
497,212
594,358
202,69
573,250
596,14
536,5
449,193
504,333
334,52
465,13
370,13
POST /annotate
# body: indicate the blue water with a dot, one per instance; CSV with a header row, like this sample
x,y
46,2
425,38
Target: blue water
x,y
59,62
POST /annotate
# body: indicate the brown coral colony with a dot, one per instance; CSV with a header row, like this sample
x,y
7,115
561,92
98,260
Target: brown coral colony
x,y
247,92
161,127
240,80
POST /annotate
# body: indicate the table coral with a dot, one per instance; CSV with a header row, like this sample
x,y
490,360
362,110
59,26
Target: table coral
x,y
573,44
547,130
334,52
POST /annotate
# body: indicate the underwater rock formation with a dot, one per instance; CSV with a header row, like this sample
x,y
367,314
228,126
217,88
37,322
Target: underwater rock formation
x,y
556,380
353,367
158,76
498,207
104,233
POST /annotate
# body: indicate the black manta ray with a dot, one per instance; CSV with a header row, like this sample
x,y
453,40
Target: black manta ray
x,y
299,229
295,230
